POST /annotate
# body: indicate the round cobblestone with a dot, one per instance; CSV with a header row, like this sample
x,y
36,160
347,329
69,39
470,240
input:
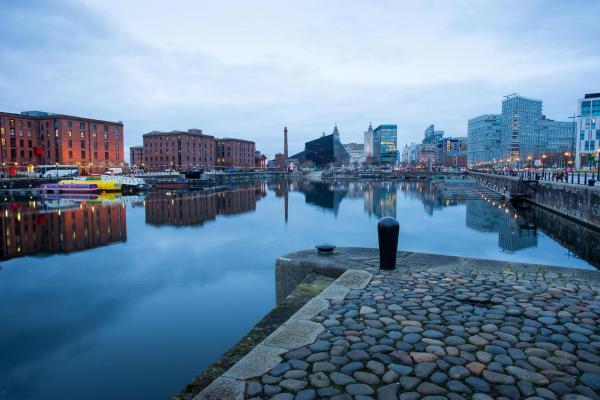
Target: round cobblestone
x,y
424,334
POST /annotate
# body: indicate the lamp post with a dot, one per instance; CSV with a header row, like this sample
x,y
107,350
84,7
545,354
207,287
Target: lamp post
x,y
567,155
598,164
574,118
543,164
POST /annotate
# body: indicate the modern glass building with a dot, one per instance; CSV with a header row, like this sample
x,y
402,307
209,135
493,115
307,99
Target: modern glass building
x,y
558,142
520,137
484,139
587,144
387,138
324,151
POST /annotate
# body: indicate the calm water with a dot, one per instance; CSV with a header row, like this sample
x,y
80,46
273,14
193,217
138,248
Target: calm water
x,y
132,297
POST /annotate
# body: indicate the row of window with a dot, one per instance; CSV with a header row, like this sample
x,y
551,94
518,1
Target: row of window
x,y
95,155
173,145
95,145
82,125
590,145
590,108
160,158
13,143
582,134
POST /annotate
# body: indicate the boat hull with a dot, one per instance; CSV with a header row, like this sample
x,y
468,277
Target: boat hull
x,y
71,187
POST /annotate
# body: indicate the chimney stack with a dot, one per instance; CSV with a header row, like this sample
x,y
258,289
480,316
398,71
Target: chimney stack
x,y
285,144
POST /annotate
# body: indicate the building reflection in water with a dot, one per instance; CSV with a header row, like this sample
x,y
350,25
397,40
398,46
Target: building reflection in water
x,y
517,225
325,195
380,199
60,225
185,208
514,231
578,239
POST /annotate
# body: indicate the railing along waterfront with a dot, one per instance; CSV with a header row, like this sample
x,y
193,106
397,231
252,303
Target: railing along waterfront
x,y
575,177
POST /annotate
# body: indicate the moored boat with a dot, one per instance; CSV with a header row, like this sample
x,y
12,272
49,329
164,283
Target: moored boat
x,y
89,184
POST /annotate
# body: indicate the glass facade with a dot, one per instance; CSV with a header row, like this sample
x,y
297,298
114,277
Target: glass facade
x,y
520,137
484,134
588,131
326,150
558,136
387,137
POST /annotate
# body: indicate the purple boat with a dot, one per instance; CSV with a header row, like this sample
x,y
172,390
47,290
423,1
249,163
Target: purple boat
x,y
70,187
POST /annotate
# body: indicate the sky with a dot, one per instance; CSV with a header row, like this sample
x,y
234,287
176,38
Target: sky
x,y
247,69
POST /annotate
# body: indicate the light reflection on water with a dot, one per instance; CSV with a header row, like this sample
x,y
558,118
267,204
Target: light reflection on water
x,y
130,297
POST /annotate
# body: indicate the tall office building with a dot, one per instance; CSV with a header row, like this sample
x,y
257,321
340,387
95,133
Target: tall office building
x,y
387,138
518,136
431,151
369,141
588,130
558,142
454,152
484,139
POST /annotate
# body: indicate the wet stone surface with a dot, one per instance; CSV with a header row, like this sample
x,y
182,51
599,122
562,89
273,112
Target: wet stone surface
x,y
459,335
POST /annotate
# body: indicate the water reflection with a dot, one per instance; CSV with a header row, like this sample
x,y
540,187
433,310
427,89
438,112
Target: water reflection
x,y
67,223
195,208
60,225
514,231
324,195
205,258
517,225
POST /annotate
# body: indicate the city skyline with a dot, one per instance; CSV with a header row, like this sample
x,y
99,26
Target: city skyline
x,y
251,72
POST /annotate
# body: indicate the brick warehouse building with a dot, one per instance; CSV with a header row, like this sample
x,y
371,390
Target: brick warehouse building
x,y
35,137
235,153
136,156
181,150
192,150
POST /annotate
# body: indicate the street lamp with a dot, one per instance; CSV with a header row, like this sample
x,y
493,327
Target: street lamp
x,y
543,163
598,164
567,155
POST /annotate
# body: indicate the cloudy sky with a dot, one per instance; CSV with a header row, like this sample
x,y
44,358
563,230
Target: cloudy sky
x,y
246,69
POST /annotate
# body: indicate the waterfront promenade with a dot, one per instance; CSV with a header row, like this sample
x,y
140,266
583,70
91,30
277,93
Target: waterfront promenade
x,y
436,327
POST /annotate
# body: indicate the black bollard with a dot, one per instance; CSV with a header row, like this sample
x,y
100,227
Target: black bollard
x,y
388,229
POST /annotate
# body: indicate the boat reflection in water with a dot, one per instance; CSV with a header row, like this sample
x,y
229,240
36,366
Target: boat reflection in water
x,y
61,223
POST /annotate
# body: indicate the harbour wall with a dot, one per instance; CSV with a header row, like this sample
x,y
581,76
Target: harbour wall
x,y
577,202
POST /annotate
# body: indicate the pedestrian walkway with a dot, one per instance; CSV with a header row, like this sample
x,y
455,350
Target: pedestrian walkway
x,y
427,334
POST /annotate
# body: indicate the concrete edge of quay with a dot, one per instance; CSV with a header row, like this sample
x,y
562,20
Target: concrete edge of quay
x,y
353,268
578,203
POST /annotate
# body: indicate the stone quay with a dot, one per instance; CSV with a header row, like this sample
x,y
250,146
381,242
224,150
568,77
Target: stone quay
x,y
436,327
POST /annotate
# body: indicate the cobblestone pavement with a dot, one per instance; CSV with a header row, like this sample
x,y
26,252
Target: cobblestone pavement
x,y
434,335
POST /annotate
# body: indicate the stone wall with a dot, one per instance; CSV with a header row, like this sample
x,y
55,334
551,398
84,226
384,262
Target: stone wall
x,y
579,202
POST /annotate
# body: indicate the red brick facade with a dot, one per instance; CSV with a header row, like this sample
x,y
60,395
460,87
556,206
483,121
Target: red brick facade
x,y
183,151
197,207
194,151
136,156
235,153
41,138
27,231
